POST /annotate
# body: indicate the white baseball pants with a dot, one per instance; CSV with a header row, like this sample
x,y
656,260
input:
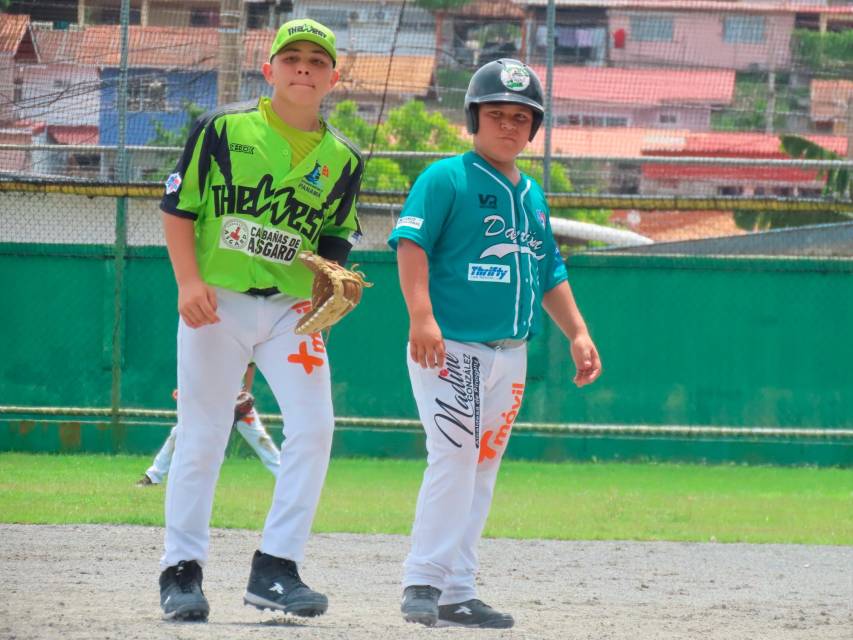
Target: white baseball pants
x,y
211,362
467,410
250,427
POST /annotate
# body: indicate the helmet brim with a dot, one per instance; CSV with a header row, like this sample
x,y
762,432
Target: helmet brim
x,y
508,96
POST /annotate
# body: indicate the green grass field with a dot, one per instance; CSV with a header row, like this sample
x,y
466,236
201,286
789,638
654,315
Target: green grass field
x,y
532,500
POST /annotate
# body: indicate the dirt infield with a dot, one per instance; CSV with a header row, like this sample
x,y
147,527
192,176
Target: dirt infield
x,y
101,582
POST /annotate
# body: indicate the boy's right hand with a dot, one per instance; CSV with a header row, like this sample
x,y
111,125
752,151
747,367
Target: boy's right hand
x,y
197,304
425,343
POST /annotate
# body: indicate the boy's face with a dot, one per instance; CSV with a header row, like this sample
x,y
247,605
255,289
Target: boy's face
x,y
302,73
504,129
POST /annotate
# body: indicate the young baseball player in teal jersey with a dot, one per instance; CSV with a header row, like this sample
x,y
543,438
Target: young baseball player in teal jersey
x,y
477,260
257,185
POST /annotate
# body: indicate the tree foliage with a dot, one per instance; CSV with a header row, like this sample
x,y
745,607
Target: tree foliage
x,y
441,5
829,52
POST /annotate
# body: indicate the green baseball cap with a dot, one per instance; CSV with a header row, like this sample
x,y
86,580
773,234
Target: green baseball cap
x,y
305,29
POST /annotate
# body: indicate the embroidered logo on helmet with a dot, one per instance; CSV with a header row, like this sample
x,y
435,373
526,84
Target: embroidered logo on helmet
x,y
515,77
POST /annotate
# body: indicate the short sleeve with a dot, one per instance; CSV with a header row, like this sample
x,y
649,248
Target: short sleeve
x,y
555,268
426,208
186,186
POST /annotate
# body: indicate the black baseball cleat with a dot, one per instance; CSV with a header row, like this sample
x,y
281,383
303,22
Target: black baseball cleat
x,y
181,597
420,604
274,583
473,613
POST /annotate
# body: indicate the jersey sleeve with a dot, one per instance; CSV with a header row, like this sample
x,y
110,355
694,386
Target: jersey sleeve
x,y
341,229
426,208
186,187
555,268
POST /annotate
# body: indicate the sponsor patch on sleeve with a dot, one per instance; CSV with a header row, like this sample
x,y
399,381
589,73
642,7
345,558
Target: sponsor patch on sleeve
x,y
173,183
410,221
488,273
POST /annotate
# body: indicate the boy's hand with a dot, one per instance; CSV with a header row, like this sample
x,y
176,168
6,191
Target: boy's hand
x,y
197,304
587,362
425,343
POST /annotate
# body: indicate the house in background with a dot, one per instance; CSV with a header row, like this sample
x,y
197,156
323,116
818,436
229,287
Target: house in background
x,y
732,180
169,68
730,34
374,26
830,105
617,97
63,91
16,51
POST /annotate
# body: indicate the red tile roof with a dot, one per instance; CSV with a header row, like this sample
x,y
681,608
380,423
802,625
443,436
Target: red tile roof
x,y
12,30
58,46
641,86
68,134
621,142
743,145
169,47
668,226
736,145
830,99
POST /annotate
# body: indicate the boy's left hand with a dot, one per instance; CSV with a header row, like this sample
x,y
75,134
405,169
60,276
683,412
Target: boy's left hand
x,y
587,362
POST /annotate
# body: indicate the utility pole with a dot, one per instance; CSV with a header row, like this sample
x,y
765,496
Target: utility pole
x,y
230,50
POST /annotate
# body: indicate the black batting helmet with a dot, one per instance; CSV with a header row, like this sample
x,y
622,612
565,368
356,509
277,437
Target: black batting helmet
x,y
504,80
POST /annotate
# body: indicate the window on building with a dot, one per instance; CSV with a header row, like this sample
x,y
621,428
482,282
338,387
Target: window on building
x,y
783,192
204,18
743,29
146,94
615,122
668,118
651,28
809,192
332,18
730,190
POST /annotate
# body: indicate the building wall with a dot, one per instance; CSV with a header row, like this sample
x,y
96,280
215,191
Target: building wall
x,y
694,118
198,87
368,27
61,94
698,40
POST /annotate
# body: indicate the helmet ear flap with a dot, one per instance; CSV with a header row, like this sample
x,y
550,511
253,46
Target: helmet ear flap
x,y
537,122
472,118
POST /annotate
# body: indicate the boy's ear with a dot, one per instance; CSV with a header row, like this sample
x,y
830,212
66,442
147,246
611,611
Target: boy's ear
x,y
266,69
336,75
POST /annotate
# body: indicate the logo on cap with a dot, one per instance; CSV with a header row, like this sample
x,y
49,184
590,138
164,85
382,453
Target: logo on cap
x,y
515,77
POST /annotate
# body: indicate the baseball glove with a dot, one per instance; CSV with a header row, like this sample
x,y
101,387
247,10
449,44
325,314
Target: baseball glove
x,y
245,403
336,292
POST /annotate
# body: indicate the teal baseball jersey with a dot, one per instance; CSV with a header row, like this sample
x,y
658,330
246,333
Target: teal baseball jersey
x,y
492,255
254,212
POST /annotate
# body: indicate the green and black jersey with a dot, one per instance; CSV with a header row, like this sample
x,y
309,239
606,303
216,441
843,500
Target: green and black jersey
x,y
254,212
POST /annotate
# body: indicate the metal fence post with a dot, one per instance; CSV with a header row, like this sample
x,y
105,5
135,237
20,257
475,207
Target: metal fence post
x,y
120,248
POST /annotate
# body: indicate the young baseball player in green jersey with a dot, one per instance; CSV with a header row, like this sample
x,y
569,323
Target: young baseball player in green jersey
x,y
477,261
257,184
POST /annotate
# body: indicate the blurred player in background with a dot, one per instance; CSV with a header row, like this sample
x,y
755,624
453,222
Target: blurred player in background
x,y
246,421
